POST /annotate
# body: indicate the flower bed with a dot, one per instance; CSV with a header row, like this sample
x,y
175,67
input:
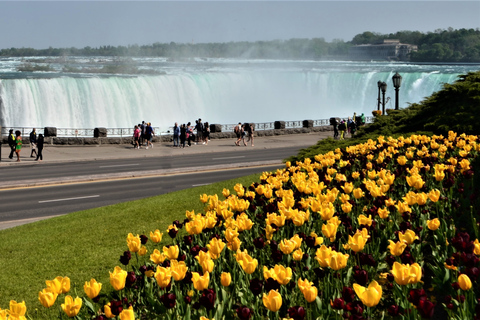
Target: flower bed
x,y
369,232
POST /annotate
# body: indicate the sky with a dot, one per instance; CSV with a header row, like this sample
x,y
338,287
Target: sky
x,y
62,24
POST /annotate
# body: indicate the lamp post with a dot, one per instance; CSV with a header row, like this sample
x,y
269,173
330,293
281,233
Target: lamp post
x,y
379,84
397,82
383,86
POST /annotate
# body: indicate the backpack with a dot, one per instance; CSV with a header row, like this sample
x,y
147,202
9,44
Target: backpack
x,y
236,129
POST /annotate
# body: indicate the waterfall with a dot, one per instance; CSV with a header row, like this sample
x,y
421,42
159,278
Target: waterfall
x,y
215,94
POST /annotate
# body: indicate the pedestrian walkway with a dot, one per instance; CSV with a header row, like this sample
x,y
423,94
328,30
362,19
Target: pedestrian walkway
x,y
74,153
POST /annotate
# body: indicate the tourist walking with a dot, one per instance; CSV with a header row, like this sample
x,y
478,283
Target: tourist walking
x,y
206,133
11,143
238,132
136,137
149,133
342,127
335,128
40,147
176,135
33,143
250,130
18,147
183,135
189,134
352,128
199,129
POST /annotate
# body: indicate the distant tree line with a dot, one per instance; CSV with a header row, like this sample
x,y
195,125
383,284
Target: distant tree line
x,y
450,45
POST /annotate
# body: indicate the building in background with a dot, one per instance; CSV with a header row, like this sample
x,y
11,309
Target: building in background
x,y
388,49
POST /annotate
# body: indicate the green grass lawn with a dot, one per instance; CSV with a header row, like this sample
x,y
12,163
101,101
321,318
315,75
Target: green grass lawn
x,y
87,244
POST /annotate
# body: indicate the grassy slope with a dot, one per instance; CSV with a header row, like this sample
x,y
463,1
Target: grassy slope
x,y
87,244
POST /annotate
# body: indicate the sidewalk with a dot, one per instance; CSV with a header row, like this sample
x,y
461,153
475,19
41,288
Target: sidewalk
x,y
52,154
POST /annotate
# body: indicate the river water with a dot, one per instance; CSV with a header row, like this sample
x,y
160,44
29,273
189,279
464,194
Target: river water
x,y
222,91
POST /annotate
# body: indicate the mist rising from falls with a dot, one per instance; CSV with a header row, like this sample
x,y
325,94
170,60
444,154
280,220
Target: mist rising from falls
x,y
217,94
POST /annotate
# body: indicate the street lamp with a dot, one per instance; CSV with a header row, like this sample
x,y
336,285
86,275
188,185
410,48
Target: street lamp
x,y
383,86
397,82
379,83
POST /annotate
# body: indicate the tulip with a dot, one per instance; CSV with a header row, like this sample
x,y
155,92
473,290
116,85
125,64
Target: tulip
x,y
297,255
225,192
323,256
338,260
358,193
205,261
108,311
59,285
127,314
329,230
434,195
282,275
142,251
234,245
118,278
408,236
157,257
369,296
92,288
215,248
357,242
310,293
133,242
433,224
383,213
406,274
156,236
287,246
476,249
47,297
225,279
3,314
272,301
248,264
464,282
71,307
17,310
163,276
178,269
396,248
231,234
171,252
200,282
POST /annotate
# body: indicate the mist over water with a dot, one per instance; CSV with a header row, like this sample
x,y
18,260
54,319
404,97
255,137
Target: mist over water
x,y
218,91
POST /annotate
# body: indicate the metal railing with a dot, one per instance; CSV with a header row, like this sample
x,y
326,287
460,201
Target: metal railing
x,y
128,132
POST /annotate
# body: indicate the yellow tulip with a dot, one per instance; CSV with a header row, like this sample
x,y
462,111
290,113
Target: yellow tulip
x,y
3,314
17,310
347,187
157,257
203,198
225,192
127,314
195,226
297,255
59,285
358,193
358,241
92,288
133,242
171,252
248,264
156,236
215,248
329,230
287,246
396,248
406,274
282,275
383,213
363,220
231,234
117,278
272,301
234,245
402,160
178,269
323,256
47,297
205,261
464,282
433,224
200,282
71,307
338,260
408,236
142,251
163,276
108,311
225,279
476,249
370,296
434,195
310,293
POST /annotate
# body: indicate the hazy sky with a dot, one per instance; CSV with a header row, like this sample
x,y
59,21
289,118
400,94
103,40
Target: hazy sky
x,y
43,24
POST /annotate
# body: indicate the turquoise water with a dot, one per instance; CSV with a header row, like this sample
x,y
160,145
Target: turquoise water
x,y
216,90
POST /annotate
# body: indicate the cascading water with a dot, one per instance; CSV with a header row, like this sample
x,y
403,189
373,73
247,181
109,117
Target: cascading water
x,y
218,91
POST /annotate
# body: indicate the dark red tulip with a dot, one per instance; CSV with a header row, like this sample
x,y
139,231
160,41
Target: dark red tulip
x,y
143,239
244,313
169,300
125,258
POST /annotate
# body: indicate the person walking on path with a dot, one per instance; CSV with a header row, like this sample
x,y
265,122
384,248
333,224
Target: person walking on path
x,y
206,133
33,143
40,147
149,133
18,147
199,129
342,127
238,132
176,135
12,143
136,137
183,135
250,131
335,128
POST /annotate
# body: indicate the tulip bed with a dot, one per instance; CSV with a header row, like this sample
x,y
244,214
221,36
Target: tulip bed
x,y
381,230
